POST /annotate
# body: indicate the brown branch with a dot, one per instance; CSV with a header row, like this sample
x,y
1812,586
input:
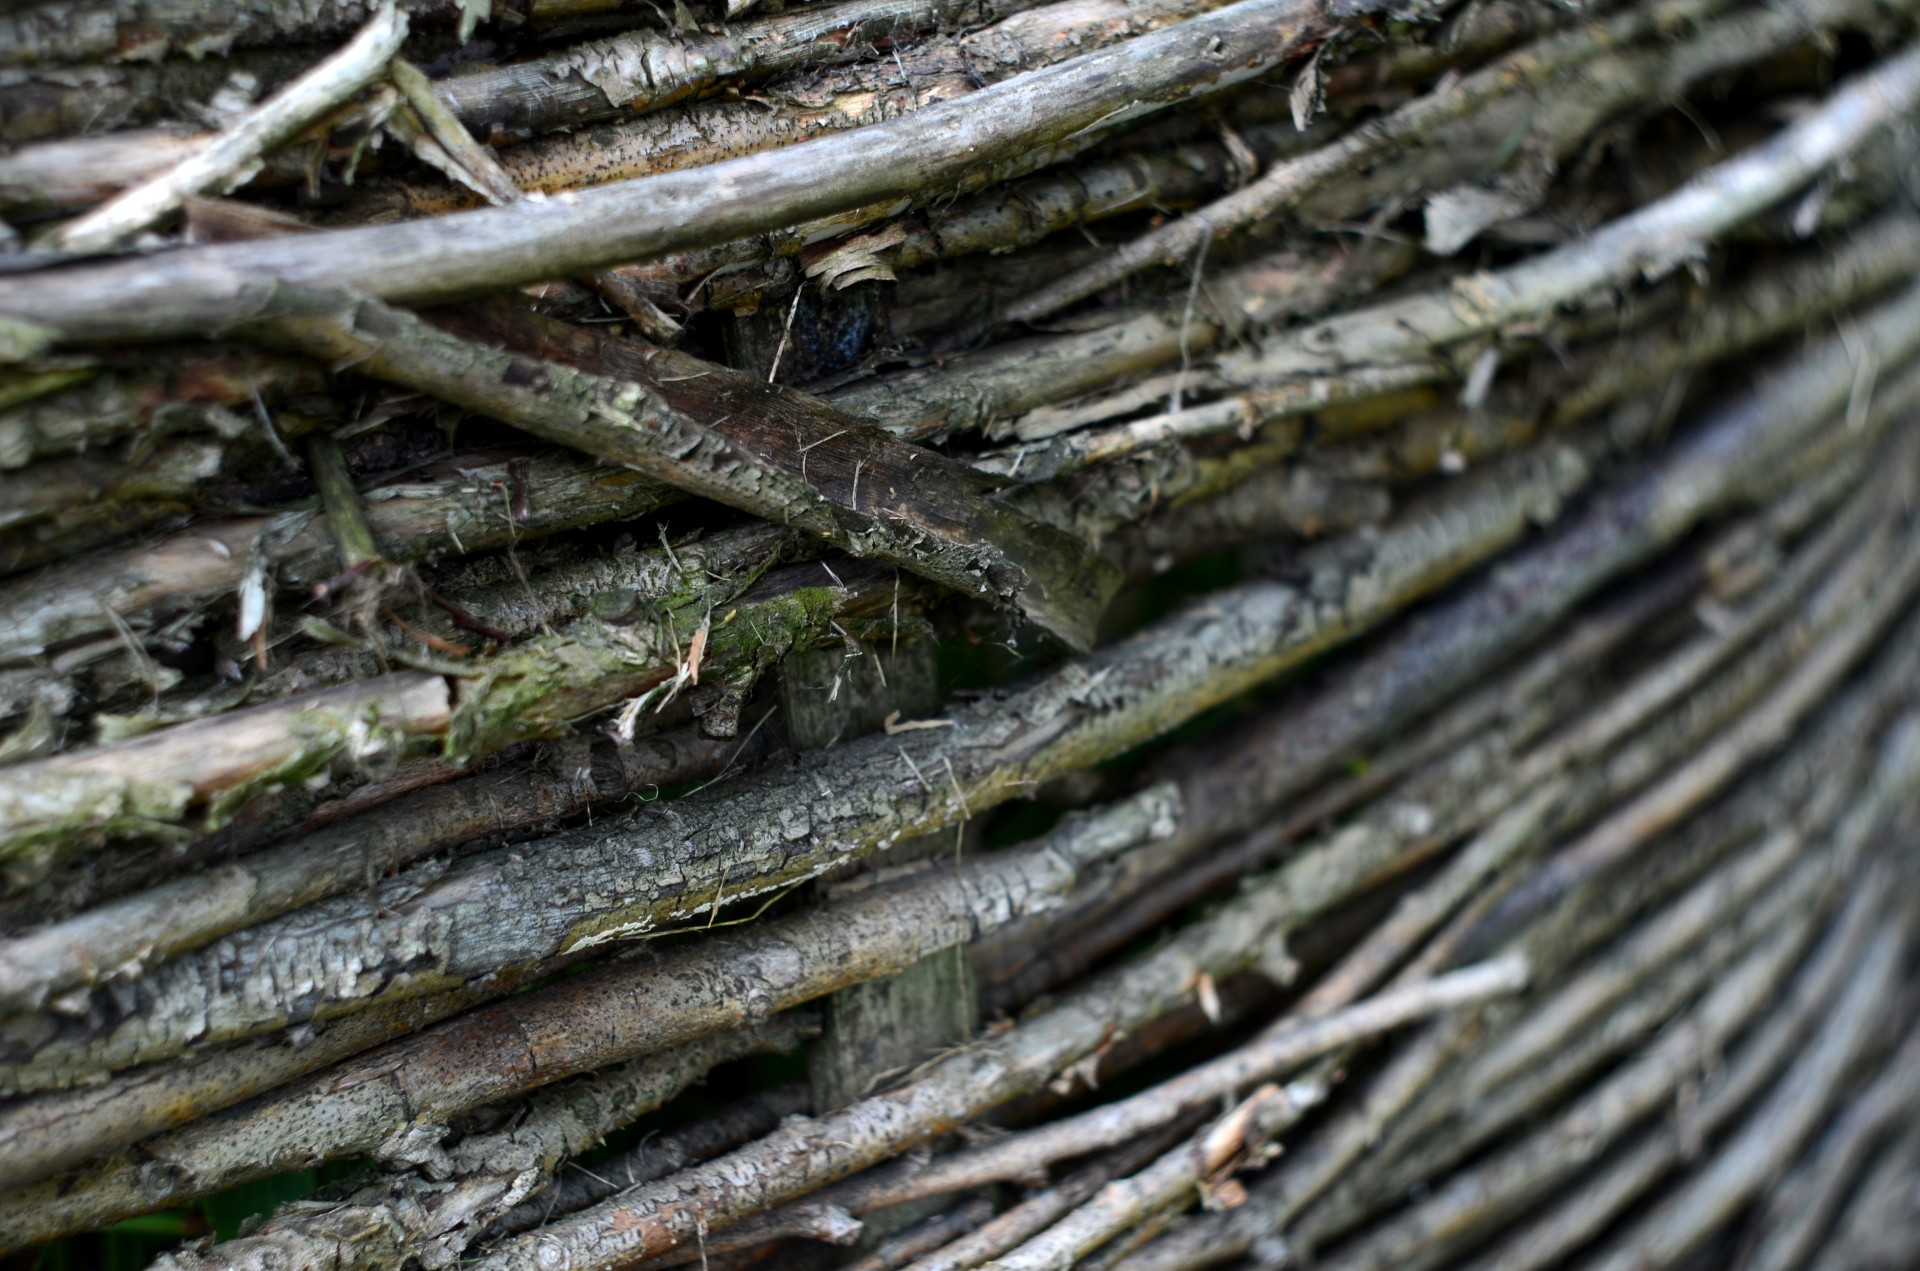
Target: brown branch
x,y
1615,79
224,161
1283,1046
432,1218
718,433
199,289
1857,999
644,71
1141,687
457,505
394,1101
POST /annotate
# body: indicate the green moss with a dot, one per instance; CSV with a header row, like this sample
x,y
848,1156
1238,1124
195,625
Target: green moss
x,y
323,734
541,687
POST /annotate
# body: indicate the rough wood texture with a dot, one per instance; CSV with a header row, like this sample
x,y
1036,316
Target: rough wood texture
x,y
1163,633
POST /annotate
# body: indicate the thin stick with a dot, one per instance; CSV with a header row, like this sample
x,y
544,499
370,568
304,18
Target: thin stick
x,y
1287,183
229,158
475,165
346,514
1279,1049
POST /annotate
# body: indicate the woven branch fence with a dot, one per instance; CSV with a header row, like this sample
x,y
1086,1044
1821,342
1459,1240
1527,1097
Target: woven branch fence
x,y
942,634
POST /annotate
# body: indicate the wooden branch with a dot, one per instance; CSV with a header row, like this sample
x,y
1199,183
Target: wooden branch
x,y
1763,729
617,1220
1799,1210
54,1131
202,289
1611,365
1560,1021
552,679
1008,215
718,433
1141,686
1709,477
117,100
804,106
1730,477
981,390
1477,734
643,71
1876,1223
926,1237
49,32
446,144
1811,1032
753,1117
1607,1112
1706,468
116,939
70,506
1218,1240
1045,1206
395,1101
1276,1202
229,158
1015,212
383,1221
1284,1046
346,515
465,504
1840,767
1128,1202
1789,907
1339,985
220,761
804,1155
1287,184
1307,736
1651,241
1764,1146
96,404
1834,771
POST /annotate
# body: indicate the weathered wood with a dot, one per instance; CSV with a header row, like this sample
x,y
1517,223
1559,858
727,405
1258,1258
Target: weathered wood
x,y
639,1004
198,290
719,433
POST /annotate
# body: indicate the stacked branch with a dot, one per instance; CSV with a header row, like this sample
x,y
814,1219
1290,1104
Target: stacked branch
x,y
1149,633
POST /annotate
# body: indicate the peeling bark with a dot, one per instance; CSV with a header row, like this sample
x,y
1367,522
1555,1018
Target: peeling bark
x,y
714,432
394,1102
